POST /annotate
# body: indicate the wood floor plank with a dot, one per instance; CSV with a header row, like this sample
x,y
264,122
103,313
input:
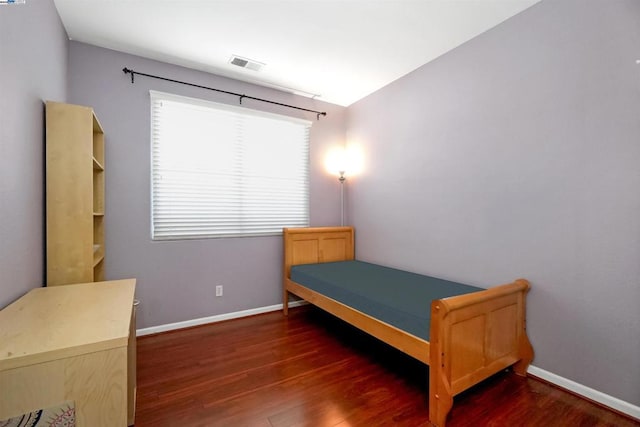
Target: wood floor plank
x,y
310,369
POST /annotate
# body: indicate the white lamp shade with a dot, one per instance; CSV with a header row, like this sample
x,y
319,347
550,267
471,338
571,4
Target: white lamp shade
x,y
344,160
336,161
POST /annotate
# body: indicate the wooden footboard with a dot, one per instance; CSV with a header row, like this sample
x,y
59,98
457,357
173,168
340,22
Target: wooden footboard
x,y
472,336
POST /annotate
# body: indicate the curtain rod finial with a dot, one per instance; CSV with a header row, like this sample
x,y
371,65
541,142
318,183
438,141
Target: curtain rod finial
x,y
126,70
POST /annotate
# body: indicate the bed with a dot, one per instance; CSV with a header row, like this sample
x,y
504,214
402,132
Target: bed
x,y
470,336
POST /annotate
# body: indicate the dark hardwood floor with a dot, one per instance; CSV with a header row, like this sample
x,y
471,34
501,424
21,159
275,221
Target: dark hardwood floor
x,y
311,369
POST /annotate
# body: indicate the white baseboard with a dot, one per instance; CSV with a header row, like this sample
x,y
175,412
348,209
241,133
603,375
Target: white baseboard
x,y
213,319
582,390
589,393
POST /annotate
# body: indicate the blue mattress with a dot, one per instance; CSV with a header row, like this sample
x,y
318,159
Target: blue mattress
x,y
396,297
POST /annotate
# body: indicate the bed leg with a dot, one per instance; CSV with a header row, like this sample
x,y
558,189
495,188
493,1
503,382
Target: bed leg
x,y
525,349
440,403
525,352
285,302
440,396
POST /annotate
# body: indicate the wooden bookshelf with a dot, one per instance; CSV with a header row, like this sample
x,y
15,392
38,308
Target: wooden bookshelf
x,y
75,194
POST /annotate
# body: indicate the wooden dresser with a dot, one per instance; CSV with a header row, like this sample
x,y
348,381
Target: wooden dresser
x,y
70,343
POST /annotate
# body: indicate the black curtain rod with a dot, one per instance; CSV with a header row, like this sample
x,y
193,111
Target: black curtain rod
x,y
242,96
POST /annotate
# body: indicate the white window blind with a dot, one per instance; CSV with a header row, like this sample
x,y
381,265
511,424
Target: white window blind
x,y
220,171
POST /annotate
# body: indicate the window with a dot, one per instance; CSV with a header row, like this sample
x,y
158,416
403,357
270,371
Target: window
x,y
220,171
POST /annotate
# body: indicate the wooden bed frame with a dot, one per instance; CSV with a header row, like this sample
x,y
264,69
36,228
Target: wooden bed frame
x,y
473,336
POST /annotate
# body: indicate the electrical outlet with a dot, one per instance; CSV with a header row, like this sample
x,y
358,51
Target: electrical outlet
x,y
219,290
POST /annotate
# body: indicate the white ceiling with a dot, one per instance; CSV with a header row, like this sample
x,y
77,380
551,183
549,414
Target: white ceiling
x,y
338,50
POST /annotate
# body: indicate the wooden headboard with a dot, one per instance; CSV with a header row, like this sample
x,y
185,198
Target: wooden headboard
x,y
317,245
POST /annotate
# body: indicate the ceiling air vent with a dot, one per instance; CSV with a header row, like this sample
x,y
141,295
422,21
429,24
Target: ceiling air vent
x,y
249,64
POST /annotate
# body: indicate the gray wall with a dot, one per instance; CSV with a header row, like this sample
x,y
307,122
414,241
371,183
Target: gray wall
x,y
33,68
517,155
176,280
